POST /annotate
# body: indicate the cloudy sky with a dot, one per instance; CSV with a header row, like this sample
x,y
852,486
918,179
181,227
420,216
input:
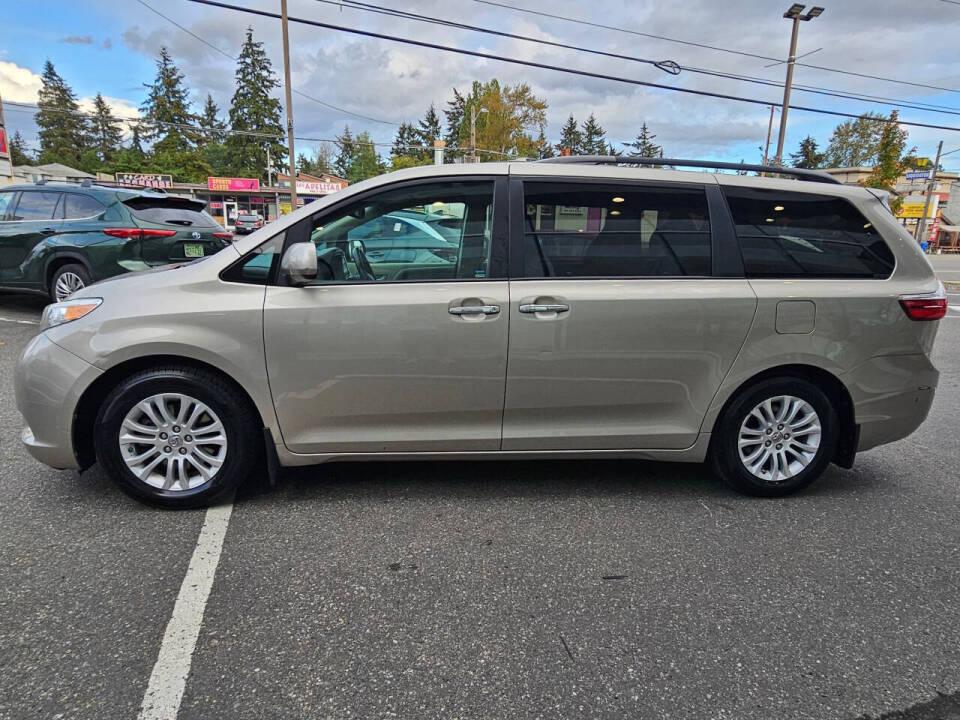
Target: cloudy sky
x,y
110,46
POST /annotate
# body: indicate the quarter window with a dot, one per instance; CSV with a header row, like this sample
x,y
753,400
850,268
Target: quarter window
x,y
36,205
615,231
6,203
81,206
422,232
805,235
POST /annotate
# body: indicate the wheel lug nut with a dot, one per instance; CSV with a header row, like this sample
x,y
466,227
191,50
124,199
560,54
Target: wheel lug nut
x,y
769,431
163,436
183,451
176,428
779,446
166,449
189,438
780,426
767,444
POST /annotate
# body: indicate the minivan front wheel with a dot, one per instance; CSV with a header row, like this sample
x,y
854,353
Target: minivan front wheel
x,y
775,438
66,280
177,437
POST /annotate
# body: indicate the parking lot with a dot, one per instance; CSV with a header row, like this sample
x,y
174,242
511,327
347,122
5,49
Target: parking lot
x,y
495,590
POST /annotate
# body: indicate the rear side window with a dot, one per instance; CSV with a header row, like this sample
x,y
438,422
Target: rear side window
x,y
36,205
170,211
599,230
6,205
794,235
81,206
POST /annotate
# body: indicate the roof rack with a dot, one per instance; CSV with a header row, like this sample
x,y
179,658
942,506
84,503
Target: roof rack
x,y
798,173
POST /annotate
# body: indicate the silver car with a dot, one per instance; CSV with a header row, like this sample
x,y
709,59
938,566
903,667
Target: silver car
x,y
588,310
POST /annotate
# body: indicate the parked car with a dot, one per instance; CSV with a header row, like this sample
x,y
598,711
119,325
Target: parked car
x,y
770,326
247,223
57,238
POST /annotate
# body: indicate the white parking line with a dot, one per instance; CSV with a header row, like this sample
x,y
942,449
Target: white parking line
x,y
169,677
18,321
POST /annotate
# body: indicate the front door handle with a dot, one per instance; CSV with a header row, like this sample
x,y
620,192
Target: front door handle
x,y
557,308
474,310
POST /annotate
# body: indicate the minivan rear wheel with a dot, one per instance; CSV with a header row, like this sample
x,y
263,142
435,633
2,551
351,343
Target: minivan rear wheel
x,y
775,438
66,280
176,437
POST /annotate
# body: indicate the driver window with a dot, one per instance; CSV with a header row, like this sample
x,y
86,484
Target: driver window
x,y
422,232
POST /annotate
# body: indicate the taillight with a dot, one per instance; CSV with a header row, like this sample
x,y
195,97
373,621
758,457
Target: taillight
x,y
928,306
224,236
130,233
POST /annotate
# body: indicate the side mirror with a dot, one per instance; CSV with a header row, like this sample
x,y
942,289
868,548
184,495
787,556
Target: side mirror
x,y
299,263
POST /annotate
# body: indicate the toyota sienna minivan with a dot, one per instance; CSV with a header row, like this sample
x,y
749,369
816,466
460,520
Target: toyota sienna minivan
x,y
585,308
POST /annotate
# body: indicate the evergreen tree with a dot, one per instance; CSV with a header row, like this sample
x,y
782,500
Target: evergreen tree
x,y
544,148
62,130
166,111
252,109
570,138
643,145
454,115
105,132
211,122
343,163
594,140
131,158
19,154
304,165
428,131
406,137
808,155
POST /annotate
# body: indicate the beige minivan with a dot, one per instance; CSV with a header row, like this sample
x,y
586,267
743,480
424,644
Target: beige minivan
x,y
577,308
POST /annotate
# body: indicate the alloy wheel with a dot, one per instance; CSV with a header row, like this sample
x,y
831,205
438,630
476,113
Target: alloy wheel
x,y
67,284
779,438
172,441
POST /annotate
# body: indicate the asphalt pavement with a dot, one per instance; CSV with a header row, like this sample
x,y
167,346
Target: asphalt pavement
x,y
496,590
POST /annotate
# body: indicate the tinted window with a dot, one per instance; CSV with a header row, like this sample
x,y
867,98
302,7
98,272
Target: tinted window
x,y
421,232
81,206
248,218
172,211
805,235
36,205
6,200
615,231
257,265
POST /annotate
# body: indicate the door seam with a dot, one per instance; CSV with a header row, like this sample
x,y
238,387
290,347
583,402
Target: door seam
x,y
506,364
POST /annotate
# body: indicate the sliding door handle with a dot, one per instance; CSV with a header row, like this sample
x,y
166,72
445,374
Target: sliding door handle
x,y
557,308
474,310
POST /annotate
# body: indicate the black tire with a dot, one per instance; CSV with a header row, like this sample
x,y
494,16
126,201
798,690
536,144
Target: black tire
x,y
239,419
724,451
76,269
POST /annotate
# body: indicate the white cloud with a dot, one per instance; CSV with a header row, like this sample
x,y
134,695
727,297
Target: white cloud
x,y
18,84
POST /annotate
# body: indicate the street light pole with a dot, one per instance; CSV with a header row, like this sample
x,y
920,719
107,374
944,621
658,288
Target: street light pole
x,y
473,132
931,184
286,82
794,13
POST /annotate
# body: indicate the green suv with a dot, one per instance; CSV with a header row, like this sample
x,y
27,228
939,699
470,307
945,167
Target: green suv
x,y
56,238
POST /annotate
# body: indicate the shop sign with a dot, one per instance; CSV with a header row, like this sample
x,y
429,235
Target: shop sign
x,y
230,184
284,208
216,206
308,187
144,180
918,175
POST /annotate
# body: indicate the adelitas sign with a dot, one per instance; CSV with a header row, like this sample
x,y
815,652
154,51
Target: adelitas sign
x,y
306,187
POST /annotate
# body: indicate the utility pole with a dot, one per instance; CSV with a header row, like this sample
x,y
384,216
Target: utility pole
x,y
794,13
766,148
9,154
286,82
269,169
931,184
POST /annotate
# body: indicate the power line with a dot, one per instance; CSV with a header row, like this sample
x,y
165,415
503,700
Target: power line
x,y
668,65
231,57
709,47
546,66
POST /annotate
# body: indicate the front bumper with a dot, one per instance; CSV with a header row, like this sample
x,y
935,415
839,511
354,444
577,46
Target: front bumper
x,y
48,383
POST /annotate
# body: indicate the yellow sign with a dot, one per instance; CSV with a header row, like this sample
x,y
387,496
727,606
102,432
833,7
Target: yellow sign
x,y
285,208
911,210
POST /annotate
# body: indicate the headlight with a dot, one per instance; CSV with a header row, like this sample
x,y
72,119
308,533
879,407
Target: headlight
x,y
67,311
